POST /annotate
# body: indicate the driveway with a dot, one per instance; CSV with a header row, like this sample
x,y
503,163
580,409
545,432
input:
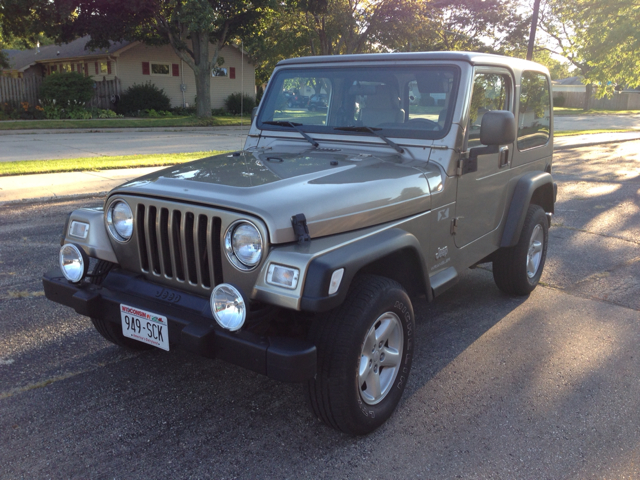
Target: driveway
x,y
545,386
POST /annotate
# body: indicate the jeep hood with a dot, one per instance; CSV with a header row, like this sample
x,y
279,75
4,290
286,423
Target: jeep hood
x,y
337,191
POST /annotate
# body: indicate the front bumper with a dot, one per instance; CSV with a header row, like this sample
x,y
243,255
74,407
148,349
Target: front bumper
x,y
191,323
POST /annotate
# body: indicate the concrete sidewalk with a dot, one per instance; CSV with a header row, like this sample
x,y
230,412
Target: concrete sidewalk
x,y
60,186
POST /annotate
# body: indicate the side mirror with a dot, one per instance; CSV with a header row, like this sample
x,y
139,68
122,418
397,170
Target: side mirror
x,y
498,127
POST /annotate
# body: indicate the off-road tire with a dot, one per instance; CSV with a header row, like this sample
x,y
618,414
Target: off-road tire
x,y
510,264
109,330
335,394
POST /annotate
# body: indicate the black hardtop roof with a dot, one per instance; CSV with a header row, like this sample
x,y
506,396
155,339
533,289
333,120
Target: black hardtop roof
x,y
474,58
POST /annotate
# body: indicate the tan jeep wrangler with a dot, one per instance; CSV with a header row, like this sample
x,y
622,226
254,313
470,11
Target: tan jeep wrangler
x,y
298,256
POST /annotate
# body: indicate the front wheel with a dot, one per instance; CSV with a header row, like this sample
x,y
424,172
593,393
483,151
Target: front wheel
x,y
517,270
365,349
111,331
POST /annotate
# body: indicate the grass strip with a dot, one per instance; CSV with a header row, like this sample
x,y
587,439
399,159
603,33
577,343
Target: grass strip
x,y
165,122
560,111
29,167
567,133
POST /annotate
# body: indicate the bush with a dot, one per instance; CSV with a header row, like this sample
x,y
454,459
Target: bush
x,y
559,101
68,88
184,111
232,103
107,114
138,98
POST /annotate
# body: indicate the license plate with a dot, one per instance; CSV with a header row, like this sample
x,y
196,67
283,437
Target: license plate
x,y
146,327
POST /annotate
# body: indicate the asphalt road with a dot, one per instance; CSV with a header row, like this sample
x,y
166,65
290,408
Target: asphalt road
x,y
56,144
544,387
51,145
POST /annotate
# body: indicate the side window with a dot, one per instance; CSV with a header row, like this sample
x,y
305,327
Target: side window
x,y
490,92
534,121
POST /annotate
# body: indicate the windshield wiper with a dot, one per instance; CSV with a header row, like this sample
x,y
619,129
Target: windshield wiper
x,y
296,127
393,145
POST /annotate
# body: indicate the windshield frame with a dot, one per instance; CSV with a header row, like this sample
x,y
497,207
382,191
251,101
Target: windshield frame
x,y
276,84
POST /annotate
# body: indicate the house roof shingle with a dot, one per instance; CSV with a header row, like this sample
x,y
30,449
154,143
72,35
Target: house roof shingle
x,y
21,59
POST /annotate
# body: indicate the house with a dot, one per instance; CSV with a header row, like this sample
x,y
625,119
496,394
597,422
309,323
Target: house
x,y
135,63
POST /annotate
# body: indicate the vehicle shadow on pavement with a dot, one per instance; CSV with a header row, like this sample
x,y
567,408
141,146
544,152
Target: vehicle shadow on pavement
x,y
499,385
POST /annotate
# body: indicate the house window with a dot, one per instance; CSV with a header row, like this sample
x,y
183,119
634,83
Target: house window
x,y
65,67
103,69
218,72
80,68
160,69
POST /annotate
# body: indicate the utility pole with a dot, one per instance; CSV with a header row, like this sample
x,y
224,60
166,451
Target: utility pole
x,y
534,26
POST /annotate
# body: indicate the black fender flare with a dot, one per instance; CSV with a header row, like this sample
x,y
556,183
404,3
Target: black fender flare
x,y
356,256
536,186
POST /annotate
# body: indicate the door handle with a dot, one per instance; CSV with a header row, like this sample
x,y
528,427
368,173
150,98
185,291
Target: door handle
x,y
504,157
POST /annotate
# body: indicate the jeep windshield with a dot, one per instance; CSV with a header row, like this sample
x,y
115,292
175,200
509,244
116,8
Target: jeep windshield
x,y
404,102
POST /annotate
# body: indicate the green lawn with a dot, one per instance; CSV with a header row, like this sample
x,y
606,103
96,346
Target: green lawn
x,y
578,111
184,121
99,163
566,133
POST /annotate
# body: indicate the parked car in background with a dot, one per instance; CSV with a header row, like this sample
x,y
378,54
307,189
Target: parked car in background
x,y
317,102
294,99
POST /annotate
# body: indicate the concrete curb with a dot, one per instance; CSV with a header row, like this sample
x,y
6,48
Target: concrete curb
x,y
52,199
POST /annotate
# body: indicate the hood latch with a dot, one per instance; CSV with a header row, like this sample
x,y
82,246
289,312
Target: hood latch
x,y
300,228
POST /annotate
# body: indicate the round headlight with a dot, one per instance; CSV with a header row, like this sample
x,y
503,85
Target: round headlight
x,y
243,245
73,263
228,307
120,220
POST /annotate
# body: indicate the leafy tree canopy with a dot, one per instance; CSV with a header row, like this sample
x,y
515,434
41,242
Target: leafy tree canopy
x,y
326,27
601,39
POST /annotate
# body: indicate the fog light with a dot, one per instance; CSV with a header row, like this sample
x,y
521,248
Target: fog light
x,y
228,307
283,276
74,263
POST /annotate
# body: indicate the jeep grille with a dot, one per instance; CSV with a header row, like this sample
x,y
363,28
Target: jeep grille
x,y
180,244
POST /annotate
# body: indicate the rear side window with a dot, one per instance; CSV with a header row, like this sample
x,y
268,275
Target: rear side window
x,y
534,121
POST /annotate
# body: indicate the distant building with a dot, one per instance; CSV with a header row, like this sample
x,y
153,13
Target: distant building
x,y
135,62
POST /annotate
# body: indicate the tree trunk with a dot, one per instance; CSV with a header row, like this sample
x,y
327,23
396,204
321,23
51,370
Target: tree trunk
x,y
587,97
200,42
203,92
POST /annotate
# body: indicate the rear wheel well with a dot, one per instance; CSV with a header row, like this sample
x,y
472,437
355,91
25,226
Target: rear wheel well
x,y
404,266
543,196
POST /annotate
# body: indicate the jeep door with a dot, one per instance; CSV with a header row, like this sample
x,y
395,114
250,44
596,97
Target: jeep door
x,y
481,195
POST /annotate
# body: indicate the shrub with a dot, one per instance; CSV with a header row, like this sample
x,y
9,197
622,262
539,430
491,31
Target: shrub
x,y
140,97
232,103
107,114
184,111
68,88
559,101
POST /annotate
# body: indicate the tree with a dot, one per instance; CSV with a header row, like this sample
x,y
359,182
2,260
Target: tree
x,y
599,38
564,27
189,26
329,27
610,33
